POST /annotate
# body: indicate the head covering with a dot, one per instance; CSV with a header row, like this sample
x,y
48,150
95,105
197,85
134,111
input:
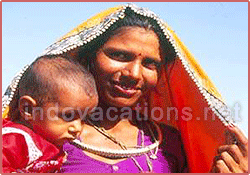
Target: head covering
x,y
183,87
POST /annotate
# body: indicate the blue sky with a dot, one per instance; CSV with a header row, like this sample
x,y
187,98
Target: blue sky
x,y
215,32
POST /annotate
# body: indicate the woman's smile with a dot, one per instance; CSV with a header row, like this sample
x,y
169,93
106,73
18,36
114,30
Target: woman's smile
x,y
127,66
125,90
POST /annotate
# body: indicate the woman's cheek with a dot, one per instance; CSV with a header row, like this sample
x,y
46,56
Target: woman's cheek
x,y
108,66
151,78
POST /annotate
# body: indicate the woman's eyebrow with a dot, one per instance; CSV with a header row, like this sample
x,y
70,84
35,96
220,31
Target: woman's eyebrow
x,y
156,59
112,49
130,53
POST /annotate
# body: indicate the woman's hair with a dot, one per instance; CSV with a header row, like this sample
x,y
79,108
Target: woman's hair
x,y
46,76
131,19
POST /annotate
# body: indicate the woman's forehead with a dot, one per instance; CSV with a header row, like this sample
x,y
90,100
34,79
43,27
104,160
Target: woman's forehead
x,y
128,30
135,39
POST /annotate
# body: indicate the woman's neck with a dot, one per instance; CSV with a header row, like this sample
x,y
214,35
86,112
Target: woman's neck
x,y
110,117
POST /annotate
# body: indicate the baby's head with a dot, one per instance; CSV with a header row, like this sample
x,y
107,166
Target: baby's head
x,y
54,95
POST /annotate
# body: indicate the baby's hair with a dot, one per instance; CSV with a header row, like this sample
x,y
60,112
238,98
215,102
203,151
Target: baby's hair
x,y
46,77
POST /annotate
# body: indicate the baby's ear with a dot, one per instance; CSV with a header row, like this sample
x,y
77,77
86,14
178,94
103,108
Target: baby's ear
x,y
26,105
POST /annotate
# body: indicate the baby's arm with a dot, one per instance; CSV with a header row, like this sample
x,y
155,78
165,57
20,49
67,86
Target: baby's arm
x,y
14,152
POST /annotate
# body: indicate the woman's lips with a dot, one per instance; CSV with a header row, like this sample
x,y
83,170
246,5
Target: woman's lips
x,y
124,91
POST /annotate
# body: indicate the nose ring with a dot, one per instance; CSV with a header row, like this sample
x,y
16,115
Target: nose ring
x,y
125,72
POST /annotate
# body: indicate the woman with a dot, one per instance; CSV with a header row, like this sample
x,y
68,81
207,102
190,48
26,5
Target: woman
x,y
143,70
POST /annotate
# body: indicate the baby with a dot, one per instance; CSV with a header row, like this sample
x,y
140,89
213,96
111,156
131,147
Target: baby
x,y
53,96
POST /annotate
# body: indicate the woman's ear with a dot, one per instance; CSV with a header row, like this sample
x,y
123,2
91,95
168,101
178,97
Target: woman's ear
x,y
26,105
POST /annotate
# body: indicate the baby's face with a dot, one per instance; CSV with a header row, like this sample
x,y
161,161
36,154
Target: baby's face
x,y
61,121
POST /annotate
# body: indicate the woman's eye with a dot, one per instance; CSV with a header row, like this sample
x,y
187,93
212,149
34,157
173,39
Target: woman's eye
x,y
152,64
119,56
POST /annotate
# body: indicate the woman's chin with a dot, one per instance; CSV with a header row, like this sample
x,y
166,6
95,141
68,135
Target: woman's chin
x,y
121,102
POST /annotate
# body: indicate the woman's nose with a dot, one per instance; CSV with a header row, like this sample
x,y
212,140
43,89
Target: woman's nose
x,y
133,70
75,127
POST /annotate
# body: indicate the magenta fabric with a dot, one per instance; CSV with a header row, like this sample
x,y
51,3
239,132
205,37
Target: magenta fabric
x,y
171,157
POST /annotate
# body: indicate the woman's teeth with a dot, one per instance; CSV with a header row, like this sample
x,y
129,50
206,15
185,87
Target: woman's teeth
x,y
124,86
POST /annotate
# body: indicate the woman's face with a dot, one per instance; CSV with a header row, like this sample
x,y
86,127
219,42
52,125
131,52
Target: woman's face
x,y
127,66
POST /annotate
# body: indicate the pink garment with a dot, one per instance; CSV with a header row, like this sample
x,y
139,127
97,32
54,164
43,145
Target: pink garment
x,y
170,157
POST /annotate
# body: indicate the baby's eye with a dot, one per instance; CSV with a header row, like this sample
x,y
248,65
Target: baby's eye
x,y
68,117
151,64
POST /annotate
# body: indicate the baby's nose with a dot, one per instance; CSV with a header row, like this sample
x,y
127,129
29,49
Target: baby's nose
x,y
75,127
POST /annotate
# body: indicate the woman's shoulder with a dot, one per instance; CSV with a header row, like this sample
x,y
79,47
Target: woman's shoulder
x,y
169,136
172,145
164,132
169,132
